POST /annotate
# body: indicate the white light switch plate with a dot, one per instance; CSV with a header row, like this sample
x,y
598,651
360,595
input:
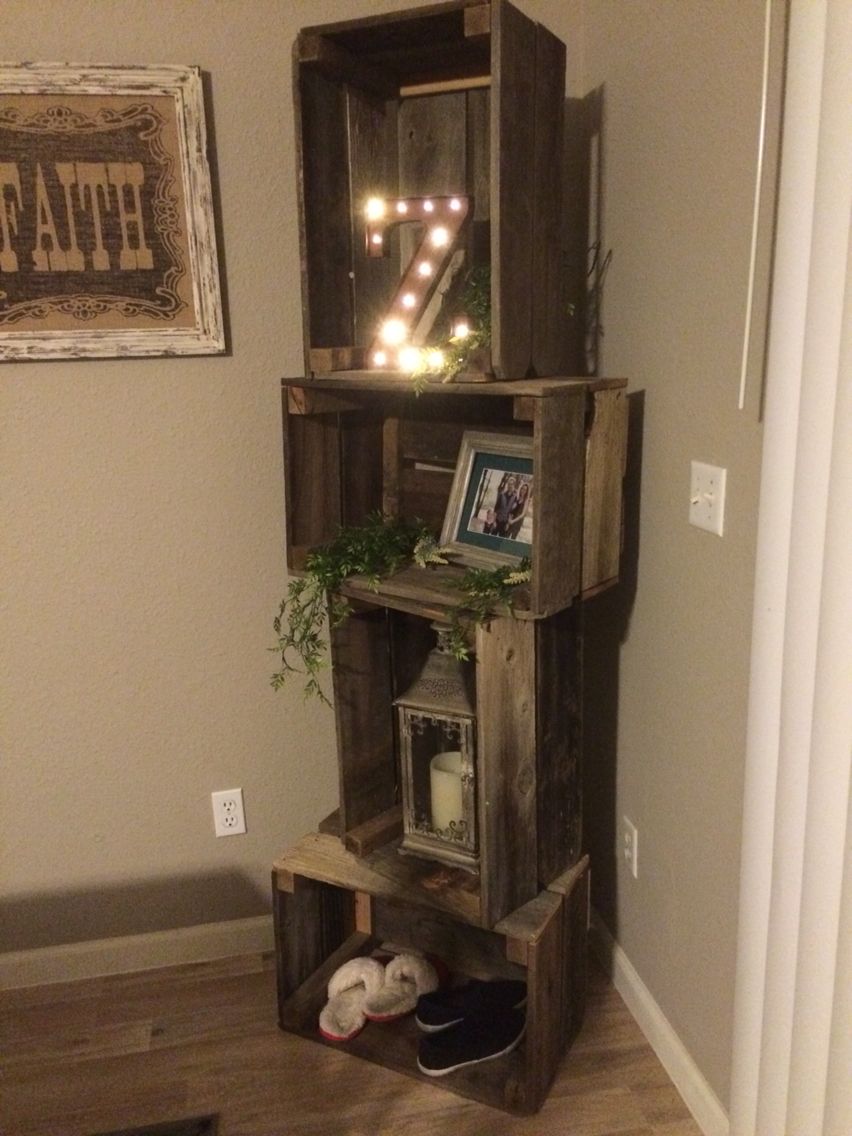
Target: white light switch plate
x,y
707,497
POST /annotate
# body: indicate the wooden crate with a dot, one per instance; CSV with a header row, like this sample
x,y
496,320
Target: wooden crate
x,y
357,446
464,98
330,907
528,754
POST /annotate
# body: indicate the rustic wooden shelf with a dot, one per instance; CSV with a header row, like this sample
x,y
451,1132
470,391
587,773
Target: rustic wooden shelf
x,y
432,592
330,907
398,382
459,100
371,444
386,874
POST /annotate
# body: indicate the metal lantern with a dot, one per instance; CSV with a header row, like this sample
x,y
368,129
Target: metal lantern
x,y
437,729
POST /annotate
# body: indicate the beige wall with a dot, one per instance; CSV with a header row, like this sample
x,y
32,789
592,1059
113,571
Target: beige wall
x,y
143,520
668,653
143,544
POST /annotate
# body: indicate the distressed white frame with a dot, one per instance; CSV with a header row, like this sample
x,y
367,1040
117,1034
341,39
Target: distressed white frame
x,y
183,85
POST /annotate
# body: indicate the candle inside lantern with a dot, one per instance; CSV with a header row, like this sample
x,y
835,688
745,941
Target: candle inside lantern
x,y
446,789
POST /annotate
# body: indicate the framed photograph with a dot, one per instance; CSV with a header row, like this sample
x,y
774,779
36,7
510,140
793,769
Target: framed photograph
x,y
489,519
107,238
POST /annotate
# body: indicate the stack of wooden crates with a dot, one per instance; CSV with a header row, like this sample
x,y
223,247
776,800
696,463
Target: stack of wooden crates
x,y
460,97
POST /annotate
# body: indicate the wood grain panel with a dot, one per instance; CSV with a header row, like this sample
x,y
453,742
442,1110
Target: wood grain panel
x,y
505,706
431,155
432,145
374,171
547,283
479,156
467,951
385,873
575,959
311,481
361,466
325,210
559,742
559,445
310,923
545,996
323,53
362,704
606,465
512,191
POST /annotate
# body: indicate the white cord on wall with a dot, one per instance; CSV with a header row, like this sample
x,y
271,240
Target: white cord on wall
x,y
758,186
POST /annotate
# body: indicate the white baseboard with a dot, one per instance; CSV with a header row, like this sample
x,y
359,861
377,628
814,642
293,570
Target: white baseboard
x,y
699,1098
123,955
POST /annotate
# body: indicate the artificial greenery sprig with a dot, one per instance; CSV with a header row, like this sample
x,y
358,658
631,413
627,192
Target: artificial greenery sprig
x,y
475,302
484,590
375,549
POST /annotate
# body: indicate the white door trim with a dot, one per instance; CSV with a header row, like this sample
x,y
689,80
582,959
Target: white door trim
x,y
800,704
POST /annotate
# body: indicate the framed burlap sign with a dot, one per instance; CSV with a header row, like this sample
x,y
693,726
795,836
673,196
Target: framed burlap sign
x,y
107,239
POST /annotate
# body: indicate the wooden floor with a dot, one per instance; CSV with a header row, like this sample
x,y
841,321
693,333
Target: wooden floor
x,y
133,1050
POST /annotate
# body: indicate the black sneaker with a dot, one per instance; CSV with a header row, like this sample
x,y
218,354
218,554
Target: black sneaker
x,y
444,1008
470,1043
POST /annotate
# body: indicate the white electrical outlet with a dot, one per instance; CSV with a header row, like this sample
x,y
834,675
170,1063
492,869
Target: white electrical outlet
x,y
630,846
707,497
229,818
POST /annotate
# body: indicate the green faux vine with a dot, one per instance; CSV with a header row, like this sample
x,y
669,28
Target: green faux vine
x,y
456,351
485,590
376,549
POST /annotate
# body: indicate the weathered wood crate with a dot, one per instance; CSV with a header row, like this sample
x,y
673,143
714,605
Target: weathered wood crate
x,y
355,446
528,754
462,98
330,907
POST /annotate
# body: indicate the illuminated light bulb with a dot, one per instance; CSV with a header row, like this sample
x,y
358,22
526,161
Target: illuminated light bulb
x,y
461,330
392,332
380,358
424,268
375,209
435,359
455,205
409,300
439,237
428,207
402,206
376,238
409,359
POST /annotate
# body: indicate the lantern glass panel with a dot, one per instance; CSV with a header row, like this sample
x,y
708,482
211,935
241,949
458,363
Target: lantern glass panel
x,y
439,786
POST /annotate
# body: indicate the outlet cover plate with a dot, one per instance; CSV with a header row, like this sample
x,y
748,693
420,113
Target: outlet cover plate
x,y
630,845
229,818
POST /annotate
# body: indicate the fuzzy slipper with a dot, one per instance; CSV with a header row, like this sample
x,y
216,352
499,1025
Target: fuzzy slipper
x,y
407,977
351,985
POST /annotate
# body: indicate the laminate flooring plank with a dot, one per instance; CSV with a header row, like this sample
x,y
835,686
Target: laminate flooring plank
x,y
215,1047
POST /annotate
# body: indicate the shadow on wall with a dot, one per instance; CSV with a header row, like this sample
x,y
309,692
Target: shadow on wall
x,y
606,623
52,919
606,617
585,260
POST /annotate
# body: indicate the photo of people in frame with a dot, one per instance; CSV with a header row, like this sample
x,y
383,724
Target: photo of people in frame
x,y
503,505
